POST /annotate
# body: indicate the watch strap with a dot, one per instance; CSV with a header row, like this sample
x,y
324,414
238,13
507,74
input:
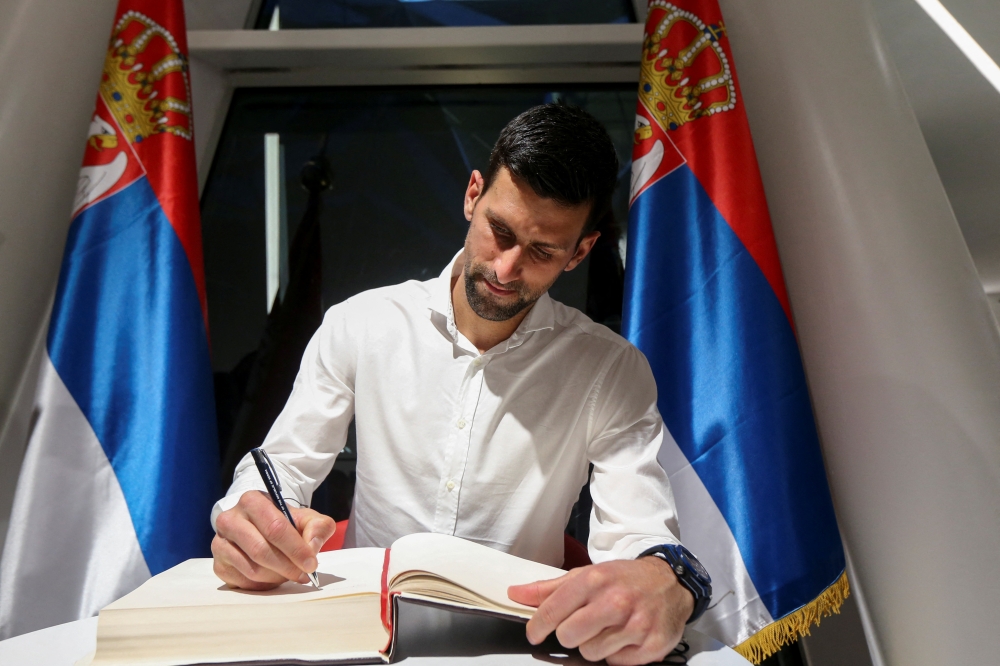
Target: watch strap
x,y
684,563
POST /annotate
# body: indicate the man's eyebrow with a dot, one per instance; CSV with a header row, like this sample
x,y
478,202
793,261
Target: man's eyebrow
x,y
499,221
496,219
549,246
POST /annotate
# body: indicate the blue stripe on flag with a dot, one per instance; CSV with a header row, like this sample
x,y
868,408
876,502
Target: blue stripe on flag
x,y
128,339
731,387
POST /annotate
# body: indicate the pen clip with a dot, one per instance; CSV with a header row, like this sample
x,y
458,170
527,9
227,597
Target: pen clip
x,y
260,455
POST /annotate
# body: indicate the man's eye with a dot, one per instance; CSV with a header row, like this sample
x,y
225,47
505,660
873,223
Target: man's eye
x,y
499,231
542,255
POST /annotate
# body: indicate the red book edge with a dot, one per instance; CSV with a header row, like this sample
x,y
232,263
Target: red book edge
x,y
386,599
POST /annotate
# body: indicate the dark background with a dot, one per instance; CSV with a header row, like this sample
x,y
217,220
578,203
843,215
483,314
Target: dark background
x,y
374,180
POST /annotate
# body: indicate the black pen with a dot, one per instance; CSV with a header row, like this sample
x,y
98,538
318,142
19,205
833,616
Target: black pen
x,y
270,476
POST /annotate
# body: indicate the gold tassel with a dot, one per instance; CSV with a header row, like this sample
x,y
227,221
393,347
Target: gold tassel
x,y
790,628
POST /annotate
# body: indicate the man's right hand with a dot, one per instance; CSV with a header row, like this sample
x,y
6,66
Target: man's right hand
x,y
256,548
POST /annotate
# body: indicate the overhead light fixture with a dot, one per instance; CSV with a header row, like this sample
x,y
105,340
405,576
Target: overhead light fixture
x,y
963,40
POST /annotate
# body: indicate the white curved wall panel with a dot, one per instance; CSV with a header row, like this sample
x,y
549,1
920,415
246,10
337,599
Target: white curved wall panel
x,y
51,53
901,350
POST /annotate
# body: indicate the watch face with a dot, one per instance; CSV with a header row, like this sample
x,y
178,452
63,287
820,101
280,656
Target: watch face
x,y
695,565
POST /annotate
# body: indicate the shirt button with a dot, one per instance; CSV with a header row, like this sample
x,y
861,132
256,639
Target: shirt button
x,y
450,486
478,362
460,424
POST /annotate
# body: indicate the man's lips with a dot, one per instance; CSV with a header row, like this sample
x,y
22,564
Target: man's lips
x,y
498,290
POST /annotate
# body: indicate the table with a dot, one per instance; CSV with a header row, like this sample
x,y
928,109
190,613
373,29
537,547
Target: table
x,y
427,637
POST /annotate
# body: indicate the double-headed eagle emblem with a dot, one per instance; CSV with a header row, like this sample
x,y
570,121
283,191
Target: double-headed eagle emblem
x,y
685,76
144,92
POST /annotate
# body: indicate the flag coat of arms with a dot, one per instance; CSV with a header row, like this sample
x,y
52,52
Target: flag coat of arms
x,y
706,302
121,466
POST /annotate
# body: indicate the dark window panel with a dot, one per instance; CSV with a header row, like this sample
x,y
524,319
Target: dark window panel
x,y
398,161
296,14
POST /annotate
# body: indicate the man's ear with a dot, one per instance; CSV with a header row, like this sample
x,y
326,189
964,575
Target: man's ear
x,y
583,248
473,192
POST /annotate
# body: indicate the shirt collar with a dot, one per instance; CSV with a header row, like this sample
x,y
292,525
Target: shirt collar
x,y
441,292
540,317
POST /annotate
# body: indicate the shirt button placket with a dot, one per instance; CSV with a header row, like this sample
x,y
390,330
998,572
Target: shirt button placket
x,y
459,454
444,515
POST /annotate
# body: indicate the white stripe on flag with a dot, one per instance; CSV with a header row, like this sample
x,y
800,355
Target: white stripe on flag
x,y
71,548
737,611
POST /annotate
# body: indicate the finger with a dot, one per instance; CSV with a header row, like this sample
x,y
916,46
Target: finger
x,y
642,640
245,535
559,605
231,566
231,555
610,641
632,655
590,621
281,537
233,578
223,569
533,594
315,527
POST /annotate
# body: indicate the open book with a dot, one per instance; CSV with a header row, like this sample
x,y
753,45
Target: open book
x,y
187,615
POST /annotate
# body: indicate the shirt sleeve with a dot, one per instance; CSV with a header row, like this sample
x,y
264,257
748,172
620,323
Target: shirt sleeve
x,y
633,504
311,430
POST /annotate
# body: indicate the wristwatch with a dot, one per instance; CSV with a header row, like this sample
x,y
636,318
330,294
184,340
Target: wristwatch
x,y
690,573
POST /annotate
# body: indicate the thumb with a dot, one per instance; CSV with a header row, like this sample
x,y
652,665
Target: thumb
x,y
316,528
533,594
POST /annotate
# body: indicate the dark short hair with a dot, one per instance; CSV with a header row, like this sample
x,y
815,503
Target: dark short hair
x,y
563,153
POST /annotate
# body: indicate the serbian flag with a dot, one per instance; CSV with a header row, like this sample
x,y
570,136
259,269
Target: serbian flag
x,y
705,300
121,467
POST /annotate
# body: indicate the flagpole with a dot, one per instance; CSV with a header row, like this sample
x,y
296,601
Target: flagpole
x,y
901,350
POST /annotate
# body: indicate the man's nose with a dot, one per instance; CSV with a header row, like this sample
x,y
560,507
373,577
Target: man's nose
x,y
508,264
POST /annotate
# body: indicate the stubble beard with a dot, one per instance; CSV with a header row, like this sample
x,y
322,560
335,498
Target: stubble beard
x,y
486,304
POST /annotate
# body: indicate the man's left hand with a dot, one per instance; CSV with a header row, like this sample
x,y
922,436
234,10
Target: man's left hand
x,y
627,611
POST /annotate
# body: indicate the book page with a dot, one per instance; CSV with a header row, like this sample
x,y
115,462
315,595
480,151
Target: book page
x,y
482,570
194,583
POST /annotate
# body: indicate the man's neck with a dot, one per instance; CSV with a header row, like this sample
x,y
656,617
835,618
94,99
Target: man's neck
x,y
483,333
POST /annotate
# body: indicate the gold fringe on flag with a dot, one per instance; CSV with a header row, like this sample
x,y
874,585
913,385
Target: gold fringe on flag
x,y
790,628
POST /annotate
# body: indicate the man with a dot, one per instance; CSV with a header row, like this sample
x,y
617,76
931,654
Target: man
x,y
479,404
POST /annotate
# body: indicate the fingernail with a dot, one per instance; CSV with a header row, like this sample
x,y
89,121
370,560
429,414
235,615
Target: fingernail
x,y
311,564
316,544
304,579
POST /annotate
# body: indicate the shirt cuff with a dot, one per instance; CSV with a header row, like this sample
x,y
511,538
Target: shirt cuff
x,y
236,491
636,548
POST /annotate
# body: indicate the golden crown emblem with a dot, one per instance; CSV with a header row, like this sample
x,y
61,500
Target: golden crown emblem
x,y
145,81
674,83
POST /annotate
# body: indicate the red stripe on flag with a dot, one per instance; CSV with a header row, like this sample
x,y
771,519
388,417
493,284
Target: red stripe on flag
x,y
718,148
169,162
723,159
148,90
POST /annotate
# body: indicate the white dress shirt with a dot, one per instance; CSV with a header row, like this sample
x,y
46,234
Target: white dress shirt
x,y
490,447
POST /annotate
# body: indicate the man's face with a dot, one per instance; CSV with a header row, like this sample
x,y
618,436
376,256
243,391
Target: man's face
x,y
518,244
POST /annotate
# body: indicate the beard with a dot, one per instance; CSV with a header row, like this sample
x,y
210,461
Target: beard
x,y
488,305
